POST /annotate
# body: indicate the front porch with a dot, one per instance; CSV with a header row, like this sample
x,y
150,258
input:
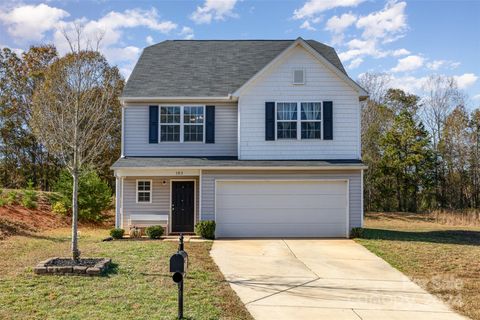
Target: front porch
x,y
158,197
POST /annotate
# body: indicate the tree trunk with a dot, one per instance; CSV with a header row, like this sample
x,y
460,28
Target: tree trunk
x,y
75,251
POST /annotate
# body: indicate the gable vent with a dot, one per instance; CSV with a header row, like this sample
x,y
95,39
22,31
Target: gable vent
x,y
298,76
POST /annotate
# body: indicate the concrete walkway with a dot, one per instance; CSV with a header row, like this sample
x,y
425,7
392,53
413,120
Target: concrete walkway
x,y
321,279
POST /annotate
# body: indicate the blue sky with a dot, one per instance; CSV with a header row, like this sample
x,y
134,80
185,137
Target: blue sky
x,y
408,39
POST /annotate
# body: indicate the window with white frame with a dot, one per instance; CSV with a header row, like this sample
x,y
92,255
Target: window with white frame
x,y
182,123
311,120
193,119
299,120
144,191
287,120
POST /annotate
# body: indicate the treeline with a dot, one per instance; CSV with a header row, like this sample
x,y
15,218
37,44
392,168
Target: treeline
x,y
22,157
423,153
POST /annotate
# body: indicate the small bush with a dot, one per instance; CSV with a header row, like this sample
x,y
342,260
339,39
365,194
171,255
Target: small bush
x,y
94,194
11,198
117,233
29,198
59,208
2,202
356,233
154,232
205,229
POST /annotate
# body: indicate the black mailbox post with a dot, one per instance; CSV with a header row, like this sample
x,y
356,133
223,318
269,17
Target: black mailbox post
x,y
178,266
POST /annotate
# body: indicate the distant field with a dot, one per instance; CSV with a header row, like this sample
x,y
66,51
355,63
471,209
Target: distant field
x,y
442,258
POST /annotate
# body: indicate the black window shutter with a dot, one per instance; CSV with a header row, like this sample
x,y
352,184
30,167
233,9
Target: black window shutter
x,y
269,121
210,124
327,120
153,124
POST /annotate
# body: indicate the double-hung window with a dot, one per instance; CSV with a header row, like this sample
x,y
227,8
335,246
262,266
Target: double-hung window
x,y
170,123
311,120
144,191
193,119
287,120
182,123
299,120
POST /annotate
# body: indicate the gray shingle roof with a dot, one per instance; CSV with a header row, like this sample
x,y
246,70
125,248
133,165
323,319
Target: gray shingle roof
x,y
206,68
227,162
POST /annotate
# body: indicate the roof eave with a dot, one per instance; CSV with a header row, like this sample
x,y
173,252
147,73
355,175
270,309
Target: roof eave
x,y
228,98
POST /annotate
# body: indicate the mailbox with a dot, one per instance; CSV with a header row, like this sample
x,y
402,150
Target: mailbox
x,y
179,262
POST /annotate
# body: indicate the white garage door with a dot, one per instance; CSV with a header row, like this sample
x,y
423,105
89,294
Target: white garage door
x,y
281,208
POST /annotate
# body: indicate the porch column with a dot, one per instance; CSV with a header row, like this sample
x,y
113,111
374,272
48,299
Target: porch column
x,y
118,201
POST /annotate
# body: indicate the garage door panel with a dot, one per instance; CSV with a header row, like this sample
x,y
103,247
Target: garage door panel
x,y
279,230
282,216
293,202
316,208
271,187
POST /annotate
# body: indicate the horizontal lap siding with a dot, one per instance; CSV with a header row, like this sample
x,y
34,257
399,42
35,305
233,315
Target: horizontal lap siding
x,y
321,85
136,135
160,197
354,177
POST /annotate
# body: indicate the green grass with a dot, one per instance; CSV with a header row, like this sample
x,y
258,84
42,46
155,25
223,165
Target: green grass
x,y
138,287
442,259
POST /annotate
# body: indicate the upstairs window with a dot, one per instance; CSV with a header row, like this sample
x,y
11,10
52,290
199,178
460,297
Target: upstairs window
x,y
299,120
311,120
170,123
287,120
144,191
182,123
193,119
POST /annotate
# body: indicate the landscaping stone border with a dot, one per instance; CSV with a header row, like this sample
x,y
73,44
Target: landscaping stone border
x,y
48,267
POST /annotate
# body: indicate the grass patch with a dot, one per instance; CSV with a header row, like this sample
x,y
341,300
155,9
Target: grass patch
x,y
442,259
139,286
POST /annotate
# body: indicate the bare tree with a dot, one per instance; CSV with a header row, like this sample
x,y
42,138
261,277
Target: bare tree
x,y
72,112
442,95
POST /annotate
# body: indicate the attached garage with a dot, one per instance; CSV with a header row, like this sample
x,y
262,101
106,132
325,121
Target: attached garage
x,y
281,208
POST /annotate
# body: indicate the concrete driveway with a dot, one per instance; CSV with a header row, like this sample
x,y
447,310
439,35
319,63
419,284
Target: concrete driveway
x,y
321,279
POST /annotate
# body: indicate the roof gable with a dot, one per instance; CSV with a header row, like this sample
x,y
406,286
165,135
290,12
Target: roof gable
x,y
208,68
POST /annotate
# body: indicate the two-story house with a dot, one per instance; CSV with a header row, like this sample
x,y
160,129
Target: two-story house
x,y
262,136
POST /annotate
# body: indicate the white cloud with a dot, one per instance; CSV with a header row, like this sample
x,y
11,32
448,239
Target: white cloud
x,y
214,10
476,97
465,80
400,52
129,53
29,22
387,25
313,7
307,26
149,40
187,33
338,24
437,64
409,84
408,63
355,63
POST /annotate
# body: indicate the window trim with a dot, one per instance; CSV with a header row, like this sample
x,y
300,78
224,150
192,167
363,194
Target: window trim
x,y
182,123
150,191
299,121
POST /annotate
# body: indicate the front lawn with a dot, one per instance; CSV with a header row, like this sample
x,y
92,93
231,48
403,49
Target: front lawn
x,y
138,287
445,260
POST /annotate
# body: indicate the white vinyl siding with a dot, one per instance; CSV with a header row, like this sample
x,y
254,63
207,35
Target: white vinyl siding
x,y
321,84
136,135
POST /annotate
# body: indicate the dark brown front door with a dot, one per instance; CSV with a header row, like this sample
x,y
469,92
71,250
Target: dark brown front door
x,y
183,206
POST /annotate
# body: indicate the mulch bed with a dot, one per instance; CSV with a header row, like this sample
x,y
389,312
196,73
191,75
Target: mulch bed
x,y
67,266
